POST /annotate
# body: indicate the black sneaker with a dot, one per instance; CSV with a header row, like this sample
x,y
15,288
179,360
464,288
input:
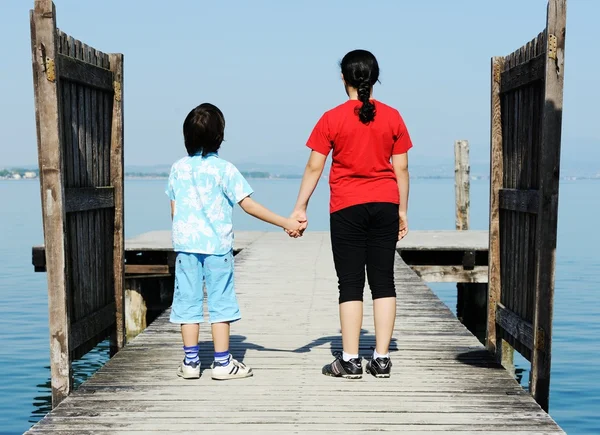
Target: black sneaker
x,y
379,367
344,369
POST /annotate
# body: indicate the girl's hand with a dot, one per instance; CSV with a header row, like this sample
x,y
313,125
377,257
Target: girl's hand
x,y
403,229
294,228
298,216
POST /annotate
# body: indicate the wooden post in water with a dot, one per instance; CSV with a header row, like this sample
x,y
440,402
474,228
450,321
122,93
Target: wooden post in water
x,y
462,184
49,132
471,298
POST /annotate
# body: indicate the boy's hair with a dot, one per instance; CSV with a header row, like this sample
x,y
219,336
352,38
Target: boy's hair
x,y
203,129
361,71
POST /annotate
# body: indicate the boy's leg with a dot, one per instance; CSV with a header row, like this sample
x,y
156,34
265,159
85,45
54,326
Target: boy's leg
x,y
187,309
223,309
381,255
220,334
348,241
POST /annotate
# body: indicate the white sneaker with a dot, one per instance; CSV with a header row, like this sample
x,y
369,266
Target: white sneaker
x,y
233,370
191,371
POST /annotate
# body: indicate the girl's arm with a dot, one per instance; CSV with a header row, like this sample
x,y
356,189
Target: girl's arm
x,y
172,209
253,208
400,164
312,174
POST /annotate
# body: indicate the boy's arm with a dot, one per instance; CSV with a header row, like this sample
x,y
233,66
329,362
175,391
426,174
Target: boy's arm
x,y
172,209
400,164
253,208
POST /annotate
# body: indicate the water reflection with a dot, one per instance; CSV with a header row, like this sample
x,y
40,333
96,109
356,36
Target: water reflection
x,y
83,369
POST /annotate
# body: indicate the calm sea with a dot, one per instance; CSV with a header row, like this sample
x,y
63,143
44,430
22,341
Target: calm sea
x,y
24,355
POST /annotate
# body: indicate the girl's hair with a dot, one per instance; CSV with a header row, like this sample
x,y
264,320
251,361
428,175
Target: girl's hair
x,y
361,71
203,129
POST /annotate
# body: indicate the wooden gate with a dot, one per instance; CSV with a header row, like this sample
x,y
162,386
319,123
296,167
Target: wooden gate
x,y
527,95
79,119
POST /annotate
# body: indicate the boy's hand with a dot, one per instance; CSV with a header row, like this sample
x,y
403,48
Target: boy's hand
x,y
298,216
403,229
294,228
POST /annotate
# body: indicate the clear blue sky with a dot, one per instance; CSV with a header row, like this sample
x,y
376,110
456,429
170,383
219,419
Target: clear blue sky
x,y
272,67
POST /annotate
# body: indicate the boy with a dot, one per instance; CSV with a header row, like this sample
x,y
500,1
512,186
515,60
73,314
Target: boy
x,y
203,189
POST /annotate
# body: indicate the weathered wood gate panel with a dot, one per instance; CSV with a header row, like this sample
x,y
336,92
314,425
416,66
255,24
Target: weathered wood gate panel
x,y
78,93
527,90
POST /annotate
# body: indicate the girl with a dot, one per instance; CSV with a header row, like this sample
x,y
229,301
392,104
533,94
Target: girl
x,y
369,184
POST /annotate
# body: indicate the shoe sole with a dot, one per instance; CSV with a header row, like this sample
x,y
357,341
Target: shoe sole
x,y
188,376
377,375
331,375
228,377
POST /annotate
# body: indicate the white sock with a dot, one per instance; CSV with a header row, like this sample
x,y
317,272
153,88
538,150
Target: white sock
x,y
347,357
378,355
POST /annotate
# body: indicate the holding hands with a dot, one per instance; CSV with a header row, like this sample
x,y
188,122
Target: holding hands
x,y
298,223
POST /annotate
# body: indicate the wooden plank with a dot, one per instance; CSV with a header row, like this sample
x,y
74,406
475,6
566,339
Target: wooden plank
x,y
84,73
520,329
153,241
496,180
92,325
523,74
548,214
443,378
147,269
440,240
48,116
462,183
451,273
88,198
116,177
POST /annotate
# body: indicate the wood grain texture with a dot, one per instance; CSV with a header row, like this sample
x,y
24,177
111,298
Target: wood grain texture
x,y
88,198
48,116
524,201
548,213
443,379
515,326
496,182
85,73
117,178
462,184
523,74
456,274
92,325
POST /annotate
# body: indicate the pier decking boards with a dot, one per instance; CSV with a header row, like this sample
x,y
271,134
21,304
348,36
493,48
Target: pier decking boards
x,y
442,380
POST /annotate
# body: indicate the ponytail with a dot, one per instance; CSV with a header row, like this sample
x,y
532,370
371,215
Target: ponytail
x,y
366,113
361,71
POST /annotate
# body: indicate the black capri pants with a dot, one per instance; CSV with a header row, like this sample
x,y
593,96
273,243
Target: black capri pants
x,y
365,236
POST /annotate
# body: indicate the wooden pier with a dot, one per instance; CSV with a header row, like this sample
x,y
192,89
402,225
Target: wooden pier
x,y
101,286
443,378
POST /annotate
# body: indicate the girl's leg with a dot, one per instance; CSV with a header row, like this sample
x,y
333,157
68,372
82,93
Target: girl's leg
x,y
351,316
384,310
381,254
349,245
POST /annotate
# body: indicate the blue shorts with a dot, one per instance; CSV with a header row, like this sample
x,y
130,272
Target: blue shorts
x,y
192,272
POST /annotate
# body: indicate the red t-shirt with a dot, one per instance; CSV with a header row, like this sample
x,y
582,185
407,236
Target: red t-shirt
x,y
361,170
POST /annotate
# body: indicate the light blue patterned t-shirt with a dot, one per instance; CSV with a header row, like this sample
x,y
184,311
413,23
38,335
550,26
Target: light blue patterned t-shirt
x,y
205,190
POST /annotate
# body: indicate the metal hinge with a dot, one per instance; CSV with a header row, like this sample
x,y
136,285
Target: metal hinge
x,y
50,71
552,42
117,88
540,340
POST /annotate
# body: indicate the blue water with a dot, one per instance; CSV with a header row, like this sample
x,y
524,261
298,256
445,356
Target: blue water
x,y
24,355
